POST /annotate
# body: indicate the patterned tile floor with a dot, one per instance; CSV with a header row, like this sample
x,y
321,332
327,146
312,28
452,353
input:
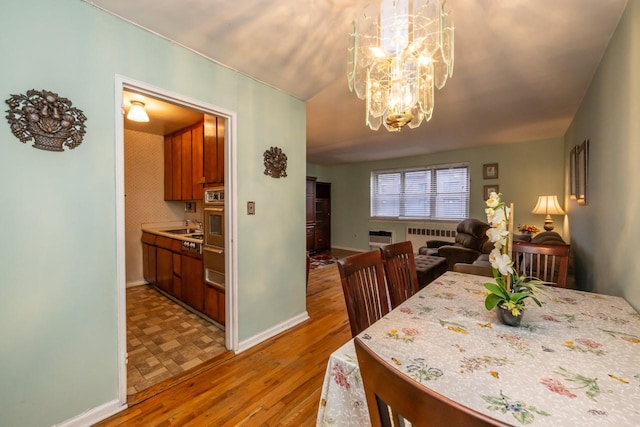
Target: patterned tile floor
x,y
164,339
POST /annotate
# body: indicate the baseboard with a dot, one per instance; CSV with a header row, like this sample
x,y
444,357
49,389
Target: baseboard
x,y
92,416
136,283
344,248
270,333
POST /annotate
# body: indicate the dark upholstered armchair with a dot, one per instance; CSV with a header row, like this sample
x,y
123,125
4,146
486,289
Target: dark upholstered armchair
x,y
482,267
471,242
549,237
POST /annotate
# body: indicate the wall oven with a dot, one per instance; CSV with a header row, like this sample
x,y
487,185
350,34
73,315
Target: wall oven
x,y
214,217
214,238
213,260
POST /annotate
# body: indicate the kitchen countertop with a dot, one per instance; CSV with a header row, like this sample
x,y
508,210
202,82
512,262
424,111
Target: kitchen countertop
x,y
163,230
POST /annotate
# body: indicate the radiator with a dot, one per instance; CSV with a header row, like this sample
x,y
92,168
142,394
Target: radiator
x,y
419,236
379,238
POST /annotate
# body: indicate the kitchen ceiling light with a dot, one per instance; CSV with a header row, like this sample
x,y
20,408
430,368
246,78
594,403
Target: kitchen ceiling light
x,y
137,113
397,54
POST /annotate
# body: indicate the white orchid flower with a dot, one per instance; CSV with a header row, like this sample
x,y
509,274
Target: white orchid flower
x,y
502,263
498,234
499,216
493,200
490,214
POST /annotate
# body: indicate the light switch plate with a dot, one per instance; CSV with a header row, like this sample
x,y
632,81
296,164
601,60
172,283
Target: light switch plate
x,y
251,208
190,207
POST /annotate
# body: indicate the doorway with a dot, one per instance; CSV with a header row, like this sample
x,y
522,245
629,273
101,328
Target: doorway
x,y
123,84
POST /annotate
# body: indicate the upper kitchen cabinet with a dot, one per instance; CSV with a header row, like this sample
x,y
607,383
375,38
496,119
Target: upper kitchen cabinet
x,y
213,150
193,159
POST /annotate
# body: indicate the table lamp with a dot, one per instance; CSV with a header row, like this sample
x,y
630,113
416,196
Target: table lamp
x,y
548,205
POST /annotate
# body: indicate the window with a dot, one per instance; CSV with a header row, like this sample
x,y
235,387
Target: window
x,y
435,192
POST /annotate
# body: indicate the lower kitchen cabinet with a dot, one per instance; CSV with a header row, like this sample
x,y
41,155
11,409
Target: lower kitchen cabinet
x,y
176,282
214,303
149,257
164,269
168,266
192,282
181,275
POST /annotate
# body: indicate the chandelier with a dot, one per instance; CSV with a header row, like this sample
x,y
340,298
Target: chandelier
x,y
398,53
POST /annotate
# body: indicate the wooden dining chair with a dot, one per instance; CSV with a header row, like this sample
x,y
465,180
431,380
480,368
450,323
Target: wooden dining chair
x,y
400,271
393,397
548,262
364,288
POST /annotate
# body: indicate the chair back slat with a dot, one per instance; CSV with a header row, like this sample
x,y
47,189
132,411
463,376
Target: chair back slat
x,y
548,262
400,271
365,290
393,397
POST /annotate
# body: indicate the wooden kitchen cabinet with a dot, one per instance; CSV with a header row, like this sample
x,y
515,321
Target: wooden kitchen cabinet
x,y
214,303
176,283
168,265
193,159
183,164
181,275
213,153
192,282
164,269
149,257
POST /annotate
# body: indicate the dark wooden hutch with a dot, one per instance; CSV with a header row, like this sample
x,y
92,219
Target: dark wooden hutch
x,y
318,215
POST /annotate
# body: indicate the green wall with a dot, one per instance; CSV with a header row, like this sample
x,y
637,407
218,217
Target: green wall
x,y
58,318
322,172
526,170
605,233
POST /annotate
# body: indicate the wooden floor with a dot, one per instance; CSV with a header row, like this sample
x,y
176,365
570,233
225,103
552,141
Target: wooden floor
x,y
276,383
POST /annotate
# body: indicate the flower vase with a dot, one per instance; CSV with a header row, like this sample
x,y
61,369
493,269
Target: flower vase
x,y
507,318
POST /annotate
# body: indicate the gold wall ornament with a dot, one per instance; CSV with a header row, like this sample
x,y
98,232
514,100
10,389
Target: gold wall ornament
x,y
47,119
275,163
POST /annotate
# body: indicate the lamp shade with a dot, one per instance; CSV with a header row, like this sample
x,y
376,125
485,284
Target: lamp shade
x,y
548,205
137,113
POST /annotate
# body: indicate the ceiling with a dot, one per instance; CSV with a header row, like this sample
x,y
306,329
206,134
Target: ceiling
x,y
522,67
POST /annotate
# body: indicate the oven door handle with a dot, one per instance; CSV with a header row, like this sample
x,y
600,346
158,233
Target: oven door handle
x,y
214,250
214,209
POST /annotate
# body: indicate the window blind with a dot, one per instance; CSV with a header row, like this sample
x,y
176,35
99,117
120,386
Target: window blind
x,y
436,192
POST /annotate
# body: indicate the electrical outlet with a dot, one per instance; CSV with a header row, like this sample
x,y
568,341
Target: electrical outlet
x,y
251,208
190,207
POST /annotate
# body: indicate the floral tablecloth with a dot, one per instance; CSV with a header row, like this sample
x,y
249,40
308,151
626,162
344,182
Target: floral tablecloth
x,y
573,362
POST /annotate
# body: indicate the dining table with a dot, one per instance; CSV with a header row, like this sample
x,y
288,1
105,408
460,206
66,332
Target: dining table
x,y
574,361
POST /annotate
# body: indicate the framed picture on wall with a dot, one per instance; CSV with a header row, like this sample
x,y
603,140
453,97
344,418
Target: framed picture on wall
x,y
573,174
490,171
582,166
488,189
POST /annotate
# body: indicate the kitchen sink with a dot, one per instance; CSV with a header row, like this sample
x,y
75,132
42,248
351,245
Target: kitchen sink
x,y
185,231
